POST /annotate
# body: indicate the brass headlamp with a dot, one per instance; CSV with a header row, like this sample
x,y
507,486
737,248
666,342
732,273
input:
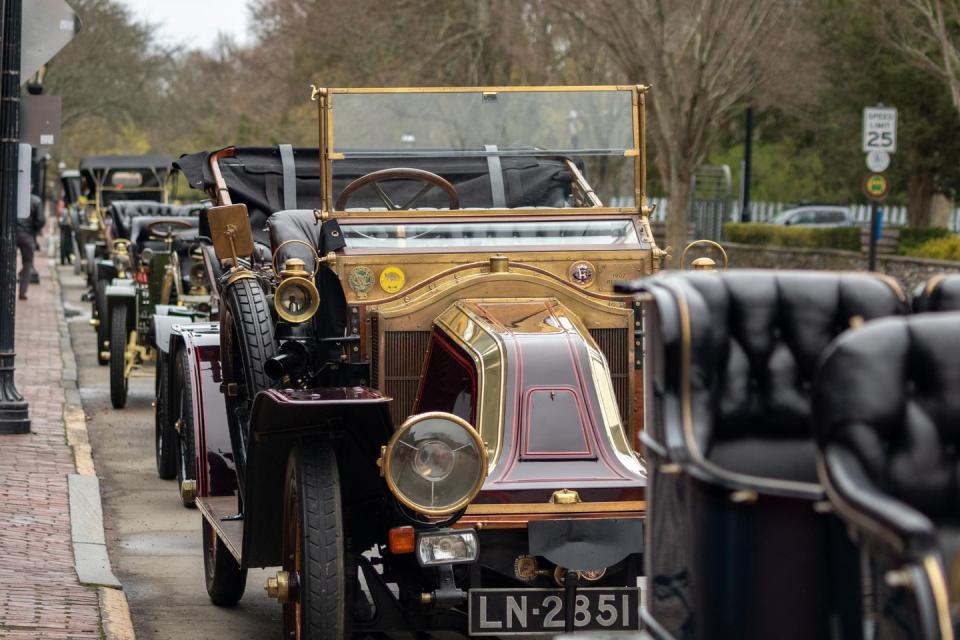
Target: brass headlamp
x,y
296,298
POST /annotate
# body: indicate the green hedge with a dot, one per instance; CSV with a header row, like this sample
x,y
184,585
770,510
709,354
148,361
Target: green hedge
x,y
804,237
912,239
943,248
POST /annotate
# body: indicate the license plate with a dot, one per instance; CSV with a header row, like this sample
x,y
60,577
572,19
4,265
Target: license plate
x,y
502,612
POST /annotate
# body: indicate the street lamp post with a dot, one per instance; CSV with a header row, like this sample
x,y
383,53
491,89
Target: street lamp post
x,y
14,410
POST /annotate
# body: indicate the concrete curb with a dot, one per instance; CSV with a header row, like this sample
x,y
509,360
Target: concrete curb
x,y
91,560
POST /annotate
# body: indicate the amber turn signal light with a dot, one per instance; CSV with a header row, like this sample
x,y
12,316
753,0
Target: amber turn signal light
x,y
402,540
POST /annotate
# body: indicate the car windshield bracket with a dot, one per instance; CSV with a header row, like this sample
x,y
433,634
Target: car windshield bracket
x,y
497,191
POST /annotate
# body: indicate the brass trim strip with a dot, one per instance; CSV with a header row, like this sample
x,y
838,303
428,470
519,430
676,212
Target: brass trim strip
x,y
938,585
486,89
547,507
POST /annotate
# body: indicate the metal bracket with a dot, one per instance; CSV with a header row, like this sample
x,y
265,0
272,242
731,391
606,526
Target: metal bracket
x,y
637,335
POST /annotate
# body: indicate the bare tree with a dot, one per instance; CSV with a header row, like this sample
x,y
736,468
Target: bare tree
x,y
926,31
703,58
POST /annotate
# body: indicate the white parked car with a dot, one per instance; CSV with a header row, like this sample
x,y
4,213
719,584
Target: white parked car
x,y
816,216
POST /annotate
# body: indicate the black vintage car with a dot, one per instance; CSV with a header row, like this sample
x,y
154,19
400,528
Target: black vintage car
x,y
800,446
421,401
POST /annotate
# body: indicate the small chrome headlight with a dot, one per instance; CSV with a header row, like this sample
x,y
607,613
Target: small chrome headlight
x,y
296,299
146,255
435,463
447,547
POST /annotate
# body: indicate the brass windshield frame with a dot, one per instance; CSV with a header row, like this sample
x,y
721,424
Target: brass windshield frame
x,y
324,98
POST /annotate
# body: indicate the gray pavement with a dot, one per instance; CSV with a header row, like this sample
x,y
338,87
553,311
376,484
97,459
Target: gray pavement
x,y
154,542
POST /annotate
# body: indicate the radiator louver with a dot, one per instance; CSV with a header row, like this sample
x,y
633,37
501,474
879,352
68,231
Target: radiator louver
x,y
614,344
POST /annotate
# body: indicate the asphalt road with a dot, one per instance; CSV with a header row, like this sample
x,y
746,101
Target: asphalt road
x,y
154,542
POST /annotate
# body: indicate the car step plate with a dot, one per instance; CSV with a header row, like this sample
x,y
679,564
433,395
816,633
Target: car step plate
x,y
506,612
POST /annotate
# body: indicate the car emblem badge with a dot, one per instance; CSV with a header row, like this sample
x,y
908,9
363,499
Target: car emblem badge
x,y
583,273
360,281
392,279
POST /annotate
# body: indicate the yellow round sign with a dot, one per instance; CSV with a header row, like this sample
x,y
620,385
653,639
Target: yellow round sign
x,y
392,279
876,186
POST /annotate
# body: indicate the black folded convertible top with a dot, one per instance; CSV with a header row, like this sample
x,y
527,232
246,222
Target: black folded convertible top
x,y
254,177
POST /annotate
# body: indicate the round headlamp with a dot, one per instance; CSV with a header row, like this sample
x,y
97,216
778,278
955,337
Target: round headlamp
x,y
296,298
146,255
435,463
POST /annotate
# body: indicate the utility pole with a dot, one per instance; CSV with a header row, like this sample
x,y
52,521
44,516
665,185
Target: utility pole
x,y
14,410
747,169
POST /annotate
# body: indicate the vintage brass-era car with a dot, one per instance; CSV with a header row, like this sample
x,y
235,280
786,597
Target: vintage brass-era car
x,y
108,179
422,399
800,443
157,274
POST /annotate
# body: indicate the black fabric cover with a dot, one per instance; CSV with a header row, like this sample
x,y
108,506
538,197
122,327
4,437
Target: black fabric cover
x,y
887,413
756,339
254,177
122,213
941,293
301,225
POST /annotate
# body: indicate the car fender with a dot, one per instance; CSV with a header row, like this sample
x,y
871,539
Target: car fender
x,y
167,338
282,418
216,473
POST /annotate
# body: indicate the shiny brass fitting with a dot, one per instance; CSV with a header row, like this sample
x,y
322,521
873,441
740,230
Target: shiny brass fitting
x,y
278,587
704,264
499,264
188,491
565,496
294,268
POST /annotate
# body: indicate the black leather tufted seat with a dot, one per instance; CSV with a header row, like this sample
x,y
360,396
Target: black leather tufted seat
x,y
730,359
940,293
124,212
887,412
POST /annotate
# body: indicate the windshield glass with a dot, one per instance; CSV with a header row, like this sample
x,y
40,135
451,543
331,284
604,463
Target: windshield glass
x,y
596,234
504,134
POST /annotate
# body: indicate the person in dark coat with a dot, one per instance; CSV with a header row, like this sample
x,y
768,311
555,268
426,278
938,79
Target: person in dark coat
x,y
27,230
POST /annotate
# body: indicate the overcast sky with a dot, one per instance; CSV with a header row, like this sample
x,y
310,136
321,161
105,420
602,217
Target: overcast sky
x,y
193,23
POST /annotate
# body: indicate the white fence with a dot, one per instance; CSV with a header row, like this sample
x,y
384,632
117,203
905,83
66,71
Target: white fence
x,y
763,211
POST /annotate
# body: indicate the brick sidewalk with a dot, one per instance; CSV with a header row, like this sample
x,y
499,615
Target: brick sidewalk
x,y
40,596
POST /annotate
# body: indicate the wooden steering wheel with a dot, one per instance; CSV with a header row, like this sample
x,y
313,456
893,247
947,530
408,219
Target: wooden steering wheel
x,y
430,179
168,228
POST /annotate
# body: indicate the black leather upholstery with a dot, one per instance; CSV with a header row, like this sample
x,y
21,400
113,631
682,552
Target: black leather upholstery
x,y
301,226
123,213
756,339
887,411
735,546
941,293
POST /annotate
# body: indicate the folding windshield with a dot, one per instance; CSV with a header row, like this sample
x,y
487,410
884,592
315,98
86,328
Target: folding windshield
x,y
519,235
495,148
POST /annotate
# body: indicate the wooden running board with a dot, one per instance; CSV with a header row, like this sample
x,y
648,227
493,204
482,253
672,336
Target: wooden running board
x,y
230,532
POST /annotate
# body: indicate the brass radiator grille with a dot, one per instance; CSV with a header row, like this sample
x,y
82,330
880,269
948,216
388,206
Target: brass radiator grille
x,y
614,344
398,373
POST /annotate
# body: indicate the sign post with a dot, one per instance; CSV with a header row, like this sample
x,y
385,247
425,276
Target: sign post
x,y
33,31
879,141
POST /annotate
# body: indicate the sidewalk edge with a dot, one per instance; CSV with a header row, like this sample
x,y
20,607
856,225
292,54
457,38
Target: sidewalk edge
x,y
114,609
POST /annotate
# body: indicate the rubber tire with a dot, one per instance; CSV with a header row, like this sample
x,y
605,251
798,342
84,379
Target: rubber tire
x,y
186,440
118,346
246,343
164,432
312,496
103,329
225,580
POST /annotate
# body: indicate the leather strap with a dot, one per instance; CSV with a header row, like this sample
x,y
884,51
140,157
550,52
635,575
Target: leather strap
x,y
289,176
496,178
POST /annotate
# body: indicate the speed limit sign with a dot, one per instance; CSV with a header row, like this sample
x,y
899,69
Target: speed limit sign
x,y
879,129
